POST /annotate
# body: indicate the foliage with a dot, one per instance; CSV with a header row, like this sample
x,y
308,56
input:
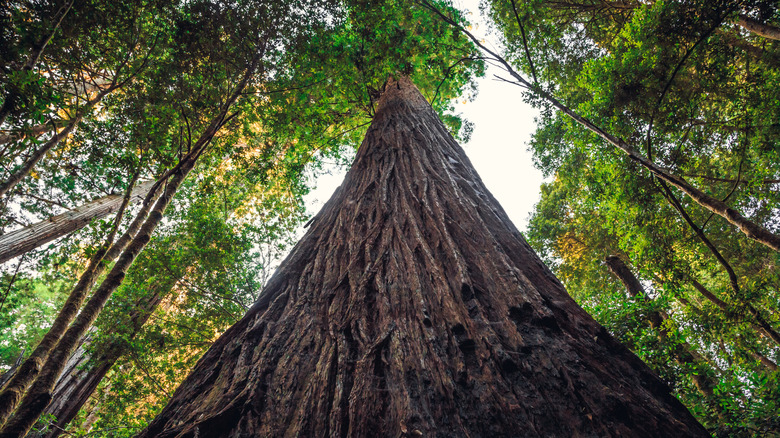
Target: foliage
x,y
157,72
699,94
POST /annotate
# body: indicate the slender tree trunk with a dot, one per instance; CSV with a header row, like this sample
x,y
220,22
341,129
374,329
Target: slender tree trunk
x,y
759,28
35,157
765,361
413,307
684,353
26,239
78,383
39,394
13,391
711,203
35,132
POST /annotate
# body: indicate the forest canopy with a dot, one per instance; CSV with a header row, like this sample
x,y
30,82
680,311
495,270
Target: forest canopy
x,y
158,154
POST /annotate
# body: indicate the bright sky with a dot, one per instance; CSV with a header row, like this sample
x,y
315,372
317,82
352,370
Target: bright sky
x,y
503,125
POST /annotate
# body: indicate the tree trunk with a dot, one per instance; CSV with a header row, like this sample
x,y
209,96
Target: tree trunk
x,y
24,376
684,353
26,239
78,382
39,394
413,307
759,28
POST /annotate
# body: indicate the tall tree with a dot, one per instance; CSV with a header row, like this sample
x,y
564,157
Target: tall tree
x,y
413,307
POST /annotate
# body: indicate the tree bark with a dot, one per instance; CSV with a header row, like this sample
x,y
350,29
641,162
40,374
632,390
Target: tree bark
x,y
759,28
413,307
26,239
79,381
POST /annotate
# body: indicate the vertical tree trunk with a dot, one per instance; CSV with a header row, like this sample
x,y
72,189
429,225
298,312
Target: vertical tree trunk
x,y
13,391
26,239
413,307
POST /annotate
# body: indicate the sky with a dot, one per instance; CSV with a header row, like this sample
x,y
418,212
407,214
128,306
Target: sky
x,y
503,125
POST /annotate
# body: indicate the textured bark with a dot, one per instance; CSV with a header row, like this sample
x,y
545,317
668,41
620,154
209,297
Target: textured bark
x,y
26,239
413,307
25,375
683,353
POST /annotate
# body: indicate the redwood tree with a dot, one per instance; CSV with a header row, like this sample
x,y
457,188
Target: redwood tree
x,y
413,307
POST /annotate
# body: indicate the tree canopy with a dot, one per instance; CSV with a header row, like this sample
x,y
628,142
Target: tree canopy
x,y
658,134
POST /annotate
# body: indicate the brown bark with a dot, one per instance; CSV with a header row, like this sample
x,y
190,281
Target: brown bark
x,y
26,239
39,394
37,397
759,28
29,370
683,353
413,307
711,203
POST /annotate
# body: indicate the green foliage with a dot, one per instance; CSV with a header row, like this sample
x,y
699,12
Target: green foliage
x,y
699,96
170,67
